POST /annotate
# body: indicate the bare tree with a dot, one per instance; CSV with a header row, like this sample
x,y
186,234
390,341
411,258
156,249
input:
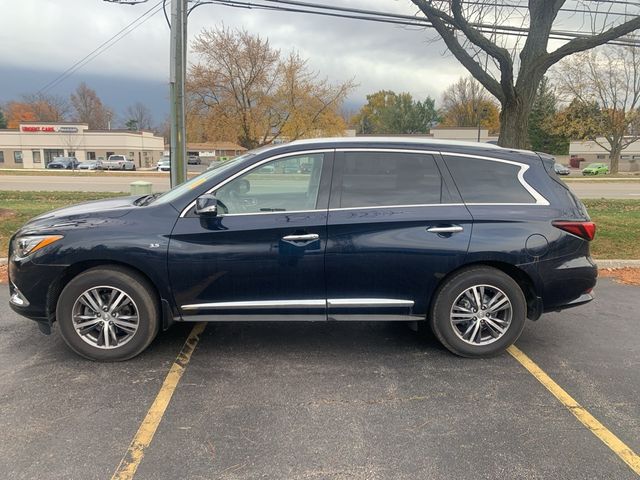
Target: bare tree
x,y
610,80
140,116
47,108
243,88
89,109
481,36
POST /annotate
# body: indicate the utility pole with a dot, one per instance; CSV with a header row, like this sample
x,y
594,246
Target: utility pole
x,y
178,61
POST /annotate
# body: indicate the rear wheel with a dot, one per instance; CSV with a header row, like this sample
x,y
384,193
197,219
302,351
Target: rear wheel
x,y
108,314
478,312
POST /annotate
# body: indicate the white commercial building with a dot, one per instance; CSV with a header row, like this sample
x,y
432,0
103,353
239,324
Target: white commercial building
x,y
35,144
592,152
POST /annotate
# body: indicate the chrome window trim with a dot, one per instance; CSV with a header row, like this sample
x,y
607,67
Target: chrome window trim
x,y
248,169
382,149
539,199
286,212
417,205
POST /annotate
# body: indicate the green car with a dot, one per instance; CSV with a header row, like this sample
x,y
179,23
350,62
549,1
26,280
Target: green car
x,y
596,169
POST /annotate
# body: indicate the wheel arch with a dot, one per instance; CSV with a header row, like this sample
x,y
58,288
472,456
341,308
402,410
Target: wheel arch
x,y
55,289
522,278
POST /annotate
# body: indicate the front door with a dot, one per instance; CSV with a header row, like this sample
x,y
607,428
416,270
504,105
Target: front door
x,y
262,256
396,227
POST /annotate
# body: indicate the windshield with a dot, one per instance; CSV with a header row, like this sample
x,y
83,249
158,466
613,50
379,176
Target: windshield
x,y
200,179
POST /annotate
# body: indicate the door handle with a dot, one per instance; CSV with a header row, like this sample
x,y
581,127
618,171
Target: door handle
x,y
449,229
307,237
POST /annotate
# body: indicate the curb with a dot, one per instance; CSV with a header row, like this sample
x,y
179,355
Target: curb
x,y
620,263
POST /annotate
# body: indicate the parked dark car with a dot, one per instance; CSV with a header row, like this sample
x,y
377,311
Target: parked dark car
x,y
67,163
469,239
561,169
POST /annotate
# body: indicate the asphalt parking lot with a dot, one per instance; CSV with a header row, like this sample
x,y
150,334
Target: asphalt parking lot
x,y
328,401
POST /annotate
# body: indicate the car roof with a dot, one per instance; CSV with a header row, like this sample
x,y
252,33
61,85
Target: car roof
x,y
405,140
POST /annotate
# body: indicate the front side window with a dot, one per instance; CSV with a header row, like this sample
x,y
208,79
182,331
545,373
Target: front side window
x,y
487,181
282,185
371,179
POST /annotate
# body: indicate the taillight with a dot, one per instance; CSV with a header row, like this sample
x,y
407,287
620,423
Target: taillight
x,y
584,230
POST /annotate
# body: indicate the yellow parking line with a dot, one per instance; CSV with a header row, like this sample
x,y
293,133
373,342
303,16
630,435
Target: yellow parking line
x,y
623,451
132,458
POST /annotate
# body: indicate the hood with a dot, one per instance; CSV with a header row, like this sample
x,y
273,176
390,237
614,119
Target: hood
x,y
83,214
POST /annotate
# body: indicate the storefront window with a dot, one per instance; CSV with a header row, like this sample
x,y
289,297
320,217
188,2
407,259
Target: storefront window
x,y
91,155
17,156
1,157
36,156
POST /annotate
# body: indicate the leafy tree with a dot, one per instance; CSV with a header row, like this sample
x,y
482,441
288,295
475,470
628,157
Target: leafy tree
x,y
465,102
243,89
3,121
511,68
131,124
542,136
387,112
89,109
18,112
607,84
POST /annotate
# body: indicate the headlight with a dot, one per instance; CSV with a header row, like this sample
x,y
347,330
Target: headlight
x,y
25,246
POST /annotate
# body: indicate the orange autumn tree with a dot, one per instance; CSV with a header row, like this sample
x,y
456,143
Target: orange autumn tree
x,y
17,112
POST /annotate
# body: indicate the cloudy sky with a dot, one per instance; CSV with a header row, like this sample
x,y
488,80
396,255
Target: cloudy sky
x,y
40,39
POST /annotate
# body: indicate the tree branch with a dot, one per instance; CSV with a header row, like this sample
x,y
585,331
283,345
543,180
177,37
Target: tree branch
x,y
438,19
581,44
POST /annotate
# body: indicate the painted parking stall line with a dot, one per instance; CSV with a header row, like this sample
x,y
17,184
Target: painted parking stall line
x,y
621,449
132,458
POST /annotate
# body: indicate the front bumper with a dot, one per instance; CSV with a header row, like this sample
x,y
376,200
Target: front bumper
x,y
33,290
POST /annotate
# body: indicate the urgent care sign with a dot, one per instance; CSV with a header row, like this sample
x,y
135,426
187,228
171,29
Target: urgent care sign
x,y
48,129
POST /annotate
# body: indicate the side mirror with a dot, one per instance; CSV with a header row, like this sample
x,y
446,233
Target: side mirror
x,y
207,205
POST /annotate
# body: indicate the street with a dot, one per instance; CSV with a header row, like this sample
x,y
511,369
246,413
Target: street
x,y
160,181
328,401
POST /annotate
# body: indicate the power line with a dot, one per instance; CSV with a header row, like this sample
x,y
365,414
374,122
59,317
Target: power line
x,y
103,47
293,6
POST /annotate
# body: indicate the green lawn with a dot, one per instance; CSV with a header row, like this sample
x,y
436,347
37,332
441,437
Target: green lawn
x,y
618,233
618,221
18,207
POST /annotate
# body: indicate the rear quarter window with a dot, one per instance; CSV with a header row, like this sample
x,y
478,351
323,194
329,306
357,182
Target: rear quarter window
x,y
487,181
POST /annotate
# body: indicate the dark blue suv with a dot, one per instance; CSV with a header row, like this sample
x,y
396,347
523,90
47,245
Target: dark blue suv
x,y
469,239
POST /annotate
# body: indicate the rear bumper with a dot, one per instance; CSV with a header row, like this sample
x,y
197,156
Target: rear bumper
x,y
562,283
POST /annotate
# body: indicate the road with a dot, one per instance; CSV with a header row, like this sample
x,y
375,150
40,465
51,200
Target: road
x,y
328,401
160,182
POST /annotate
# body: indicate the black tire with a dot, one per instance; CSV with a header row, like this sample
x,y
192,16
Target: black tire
x,y
131,283
453,287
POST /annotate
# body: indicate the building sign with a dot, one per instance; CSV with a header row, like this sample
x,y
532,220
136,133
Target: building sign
x,y
48,129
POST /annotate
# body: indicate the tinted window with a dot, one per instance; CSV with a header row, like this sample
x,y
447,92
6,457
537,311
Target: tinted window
x,y
486,181
282,185
372,179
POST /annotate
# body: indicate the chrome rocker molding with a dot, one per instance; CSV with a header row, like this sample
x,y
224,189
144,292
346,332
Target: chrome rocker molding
x,y
332,302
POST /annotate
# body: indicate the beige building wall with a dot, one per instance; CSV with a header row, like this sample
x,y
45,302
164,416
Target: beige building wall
x,y
592,152
32,144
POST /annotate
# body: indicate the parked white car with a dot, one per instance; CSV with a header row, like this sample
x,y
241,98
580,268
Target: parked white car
x,y
118,162
164,165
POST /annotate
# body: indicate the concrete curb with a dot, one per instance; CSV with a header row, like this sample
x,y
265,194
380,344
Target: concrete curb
x,y
621,263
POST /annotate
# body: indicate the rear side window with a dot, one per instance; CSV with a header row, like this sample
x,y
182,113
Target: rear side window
x,y
371,179
487,181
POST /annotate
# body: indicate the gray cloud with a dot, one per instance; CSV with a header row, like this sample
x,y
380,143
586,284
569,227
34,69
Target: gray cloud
x,y
51,35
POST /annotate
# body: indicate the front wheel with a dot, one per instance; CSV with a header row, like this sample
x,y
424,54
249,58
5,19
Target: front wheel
x,y
108,314
478,312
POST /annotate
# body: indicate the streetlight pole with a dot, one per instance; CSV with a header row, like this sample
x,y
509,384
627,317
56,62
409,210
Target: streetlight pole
x,y
176,89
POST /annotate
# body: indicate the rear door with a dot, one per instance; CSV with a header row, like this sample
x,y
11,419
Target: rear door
x,y
396,226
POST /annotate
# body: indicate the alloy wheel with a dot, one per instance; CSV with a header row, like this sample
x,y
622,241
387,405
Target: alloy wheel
x,y
481,315
105,317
